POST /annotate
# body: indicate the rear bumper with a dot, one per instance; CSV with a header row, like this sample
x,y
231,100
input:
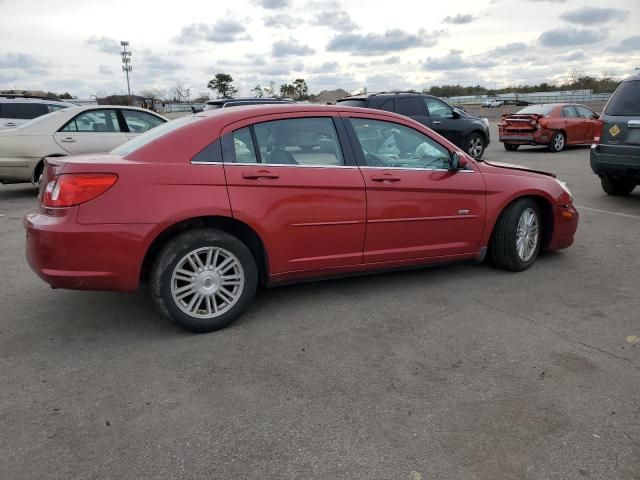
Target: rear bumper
x,y
565,224
607,164
84,257
535,137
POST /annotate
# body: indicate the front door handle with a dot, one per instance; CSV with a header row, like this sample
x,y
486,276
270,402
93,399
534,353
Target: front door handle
x,y
9,124
254,175
68,140
437,122
385,177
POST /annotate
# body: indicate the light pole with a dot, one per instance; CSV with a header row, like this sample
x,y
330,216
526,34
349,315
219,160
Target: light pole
x,y
126,64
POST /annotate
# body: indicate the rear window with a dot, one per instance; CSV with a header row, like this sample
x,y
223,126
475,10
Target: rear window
x,y
23,111
352,103
626,100
536,110
150,135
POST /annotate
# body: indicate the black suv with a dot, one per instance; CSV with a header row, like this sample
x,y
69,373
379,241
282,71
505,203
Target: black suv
x,y
615,154
468,132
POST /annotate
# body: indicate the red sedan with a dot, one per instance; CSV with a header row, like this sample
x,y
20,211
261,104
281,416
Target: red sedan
x,y
209,207
555,125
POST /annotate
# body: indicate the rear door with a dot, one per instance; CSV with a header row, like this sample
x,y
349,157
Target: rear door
x,y
416,207
306,200
621,129
92,131
413,107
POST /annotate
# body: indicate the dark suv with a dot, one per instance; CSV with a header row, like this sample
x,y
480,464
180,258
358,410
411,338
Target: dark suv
x,y
615,153
468,132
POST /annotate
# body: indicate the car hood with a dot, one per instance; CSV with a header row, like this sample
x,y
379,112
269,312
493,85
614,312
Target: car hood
x,y
522,168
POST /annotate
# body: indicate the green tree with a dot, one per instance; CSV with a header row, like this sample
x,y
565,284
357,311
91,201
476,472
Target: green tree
x,y
222,83
300,89
257,91
287,90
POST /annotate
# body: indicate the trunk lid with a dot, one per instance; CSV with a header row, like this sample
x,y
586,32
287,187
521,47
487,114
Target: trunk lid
x,y
520,122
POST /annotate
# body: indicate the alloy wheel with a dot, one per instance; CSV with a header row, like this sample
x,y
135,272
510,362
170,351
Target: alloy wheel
x,y
527,234
475,147
207,282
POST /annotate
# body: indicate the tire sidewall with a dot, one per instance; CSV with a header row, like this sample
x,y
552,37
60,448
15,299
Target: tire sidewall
x,y
552,144
171,255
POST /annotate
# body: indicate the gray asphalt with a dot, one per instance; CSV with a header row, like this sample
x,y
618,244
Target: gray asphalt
x,y
456,372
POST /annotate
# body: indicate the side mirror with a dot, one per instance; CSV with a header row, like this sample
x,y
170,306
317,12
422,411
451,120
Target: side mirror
x,y
596,116
458,162
455,114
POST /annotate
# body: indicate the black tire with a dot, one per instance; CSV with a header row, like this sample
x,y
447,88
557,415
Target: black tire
x,y
503,247
474,145
557,143
617,187
174,253
510,147
37,173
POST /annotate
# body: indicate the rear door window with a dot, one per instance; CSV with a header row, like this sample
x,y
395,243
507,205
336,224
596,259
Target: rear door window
x,y
387,105
626,100
569,112
23,111
411,106
243,146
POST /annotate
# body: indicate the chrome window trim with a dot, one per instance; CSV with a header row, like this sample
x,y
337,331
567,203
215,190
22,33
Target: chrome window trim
x,y
258,165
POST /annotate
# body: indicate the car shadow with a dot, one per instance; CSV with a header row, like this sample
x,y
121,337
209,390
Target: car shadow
x,y
18,192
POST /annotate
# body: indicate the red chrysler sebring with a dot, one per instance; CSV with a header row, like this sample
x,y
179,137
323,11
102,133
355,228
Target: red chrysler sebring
x,y
209,207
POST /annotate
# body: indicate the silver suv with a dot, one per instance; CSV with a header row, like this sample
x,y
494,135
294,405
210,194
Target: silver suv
x,y
16,110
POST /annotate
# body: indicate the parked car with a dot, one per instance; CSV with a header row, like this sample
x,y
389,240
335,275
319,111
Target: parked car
x,y
231,202
555,125
492,103
468,132
18,109
71,131
615,153
239,102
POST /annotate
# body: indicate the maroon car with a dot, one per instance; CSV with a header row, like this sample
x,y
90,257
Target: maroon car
x,y
210,206
555,125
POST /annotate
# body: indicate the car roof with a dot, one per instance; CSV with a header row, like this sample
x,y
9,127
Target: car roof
x,y
247,99
366,96
17,99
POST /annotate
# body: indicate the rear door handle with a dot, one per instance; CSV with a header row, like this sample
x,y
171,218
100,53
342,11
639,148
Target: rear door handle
x,y
385,177
437,122
254,175
9,124
68,140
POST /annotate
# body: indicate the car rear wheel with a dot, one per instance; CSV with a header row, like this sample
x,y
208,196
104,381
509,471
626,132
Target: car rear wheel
x,y
516,237
204,279
475,145
510,147
617,187
557,142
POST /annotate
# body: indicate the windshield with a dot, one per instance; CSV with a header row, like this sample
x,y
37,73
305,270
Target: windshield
x,y
543,110
151,135
212,106
626,100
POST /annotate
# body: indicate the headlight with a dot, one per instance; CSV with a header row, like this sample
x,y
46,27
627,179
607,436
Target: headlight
x,y
565,187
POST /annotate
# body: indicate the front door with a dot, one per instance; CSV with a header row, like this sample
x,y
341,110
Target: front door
x,y
572,125
588,123
444,120
92,131
416,206
294,180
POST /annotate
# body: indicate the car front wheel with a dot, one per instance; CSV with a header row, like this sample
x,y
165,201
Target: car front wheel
x,y
515,242
617,187
475,145
204,279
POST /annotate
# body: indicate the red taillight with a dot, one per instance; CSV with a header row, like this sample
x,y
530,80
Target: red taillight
x,y
75,188
598,131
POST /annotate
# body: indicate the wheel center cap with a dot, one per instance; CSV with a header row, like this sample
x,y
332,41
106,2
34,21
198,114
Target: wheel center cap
x,y
207,282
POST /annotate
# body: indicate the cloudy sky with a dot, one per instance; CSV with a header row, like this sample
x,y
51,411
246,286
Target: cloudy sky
x,y
64,45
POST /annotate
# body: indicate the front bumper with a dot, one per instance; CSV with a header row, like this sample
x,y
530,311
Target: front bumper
x,y
84,257
565,224
615,165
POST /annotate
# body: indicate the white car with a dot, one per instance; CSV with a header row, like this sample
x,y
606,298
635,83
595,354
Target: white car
x,y
72,131
492,103
16,110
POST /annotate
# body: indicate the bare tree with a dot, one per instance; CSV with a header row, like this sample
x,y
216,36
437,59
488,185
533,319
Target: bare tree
x,y
182,93
257,91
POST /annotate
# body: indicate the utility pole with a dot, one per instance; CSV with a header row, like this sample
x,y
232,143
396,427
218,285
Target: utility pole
x,y
126,64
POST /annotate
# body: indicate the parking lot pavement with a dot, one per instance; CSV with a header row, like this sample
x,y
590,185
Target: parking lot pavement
x,y
457,372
